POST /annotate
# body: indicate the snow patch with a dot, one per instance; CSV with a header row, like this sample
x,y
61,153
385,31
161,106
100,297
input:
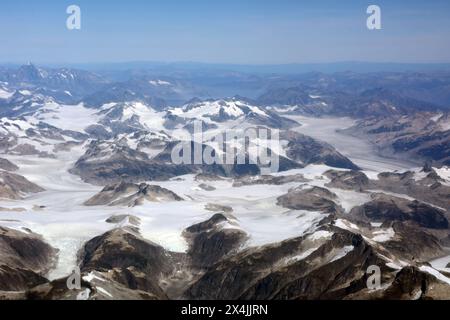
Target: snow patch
x,y
159,83
100,289
5,94
435,273
299,257
383,235
342,253
91,276
321,234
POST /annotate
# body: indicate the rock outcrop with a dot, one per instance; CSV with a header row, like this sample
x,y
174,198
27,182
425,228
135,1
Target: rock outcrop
x,y
25,259
14,186
7,165
384,208
267,179
349,180
137,263
311,199
130,194
211,240
307,150
301,268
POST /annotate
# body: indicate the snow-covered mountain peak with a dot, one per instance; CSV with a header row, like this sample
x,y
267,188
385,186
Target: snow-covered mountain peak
x,y
217,110
159,83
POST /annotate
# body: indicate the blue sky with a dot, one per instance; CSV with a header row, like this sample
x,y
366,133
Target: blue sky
x,y
227,31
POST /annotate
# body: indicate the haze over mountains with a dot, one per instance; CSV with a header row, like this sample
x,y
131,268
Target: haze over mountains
x,y
423,82
87,179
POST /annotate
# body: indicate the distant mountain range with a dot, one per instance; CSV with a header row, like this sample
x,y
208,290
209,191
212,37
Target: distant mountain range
x,y
172,85
176,89
289,68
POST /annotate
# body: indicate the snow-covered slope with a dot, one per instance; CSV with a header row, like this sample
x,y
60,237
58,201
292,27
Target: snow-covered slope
x,y
219,111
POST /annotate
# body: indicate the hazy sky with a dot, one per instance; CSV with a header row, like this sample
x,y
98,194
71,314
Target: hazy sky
x,y
226,31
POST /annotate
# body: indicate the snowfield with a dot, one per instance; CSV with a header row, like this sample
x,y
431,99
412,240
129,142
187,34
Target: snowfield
x,y
66,223
58,214
65,117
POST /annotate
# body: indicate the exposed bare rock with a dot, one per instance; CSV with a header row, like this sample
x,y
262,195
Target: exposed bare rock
x,y
94,286
218,208
7,165
66,146
390,208
207,177
305,280
136,262
130,194
24,259
213,239
413,244
110,194
234,275
350,180
130,222
98,132
427,187
25,250
311,199
29,150
410,283
280,271
122,248
18,279
118,265
113,162
419,135
12,209
121,218
14,186
267,179
133,279
206,187
331,95
307,150
12,295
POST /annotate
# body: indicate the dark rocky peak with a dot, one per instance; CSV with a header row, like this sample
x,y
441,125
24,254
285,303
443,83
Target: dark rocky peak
x,y
352,180
213,239
385,207
130,194
29,73
311,199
